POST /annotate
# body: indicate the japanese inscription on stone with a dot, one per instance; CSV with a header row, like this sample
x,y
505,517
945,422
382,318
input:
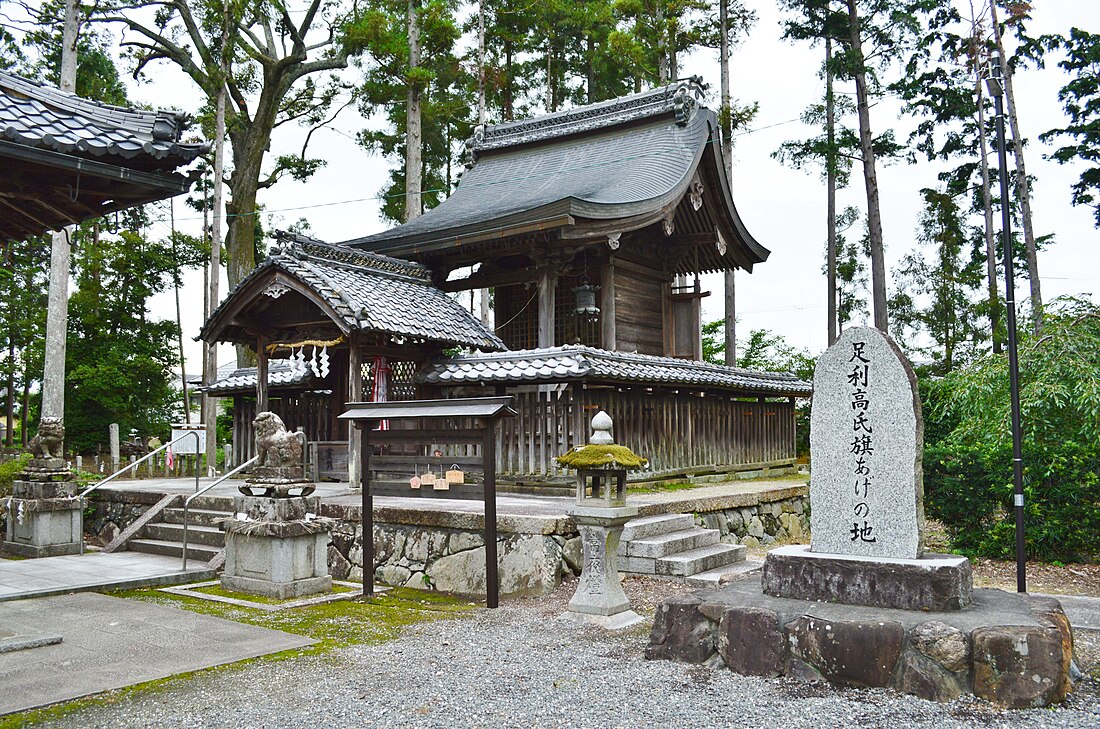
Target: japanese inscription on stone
x,y
866,433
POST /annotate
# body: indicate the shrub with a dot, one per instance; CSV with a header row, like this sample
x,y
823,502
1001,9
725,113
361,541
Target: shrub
x,y
968,451
9,470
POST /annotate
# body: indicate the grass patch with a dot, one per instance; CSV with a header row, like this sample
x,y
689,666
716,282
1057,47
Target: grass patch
x,y
333,625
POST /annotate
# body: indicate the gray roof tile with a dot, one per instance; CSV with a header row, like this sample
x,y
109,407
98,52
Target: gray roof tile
x,y
372,292
41,116
280,373
579,362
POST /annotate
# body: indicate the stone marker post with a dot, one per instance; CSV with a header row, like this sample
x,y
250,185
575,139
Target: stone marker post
x,y
115,457
600,514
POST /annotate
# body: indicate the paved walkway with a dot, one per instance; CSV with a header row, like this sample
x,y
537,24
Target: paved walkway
x,y
24,578
109,643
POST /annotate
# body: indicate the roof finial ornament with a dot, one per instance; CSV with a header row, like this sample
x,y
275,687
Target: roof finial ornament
x,y
601,430
669,224
613,240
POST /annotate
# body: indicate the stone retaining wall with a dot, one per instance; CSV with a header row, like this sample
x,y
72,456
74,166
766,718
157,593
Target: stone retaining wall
x,y
761,524
110,512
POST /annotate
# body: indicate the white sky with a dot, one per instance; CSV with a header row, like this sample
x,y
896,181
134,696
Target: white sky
x,y
784,209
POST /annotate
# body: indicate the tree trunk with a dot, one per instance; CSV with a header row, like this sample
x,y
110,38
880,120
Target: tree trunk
x,y
179,316
830,192
591,68
57,313
874,213
662,46
1022,188
506,112
9,436
210,363
414,142
987,212
730,278
25,407
481,62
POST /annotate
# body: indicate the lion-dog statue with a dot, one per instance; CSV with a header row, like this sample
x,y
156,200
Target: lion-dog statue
x,y
49,442
275,446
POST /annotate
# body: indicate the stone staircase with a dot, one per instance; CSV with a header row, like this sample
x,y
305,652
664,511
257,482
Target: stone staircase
x,y
205,539
671,546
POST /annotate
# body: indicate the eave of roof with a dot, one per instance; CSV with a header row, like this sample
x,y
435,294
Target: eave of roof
x,y
360,291
575,362
622,159
281,374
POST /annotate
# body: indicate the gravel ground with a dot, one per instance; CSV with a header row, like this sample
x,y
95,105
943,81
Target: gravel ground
x,y
521,666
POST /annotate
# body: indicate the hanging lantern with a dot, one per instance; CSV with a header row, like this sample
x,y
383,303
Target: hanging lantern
x,y
585,297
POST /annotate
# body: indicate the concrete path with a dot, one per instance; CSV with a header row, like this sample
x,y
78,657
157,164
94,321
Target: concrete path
x,y
111,643
24,578
1083,612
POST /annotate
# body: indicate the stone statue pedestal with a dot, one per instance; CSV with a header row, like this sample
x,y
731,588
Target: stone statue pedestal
x,y
276,547
599,599
45,517
278,481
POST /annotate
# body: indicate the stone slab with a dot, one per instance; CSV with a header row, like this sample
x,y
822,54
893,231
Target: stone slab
x,y
11,640
277,590
110,643
1012,649
618,621
933,582
866,442
21,579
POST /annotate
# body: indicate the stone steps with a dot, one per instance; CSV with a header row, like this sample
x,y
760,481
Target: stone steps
x,y
671,546
205,535
195,517
197,552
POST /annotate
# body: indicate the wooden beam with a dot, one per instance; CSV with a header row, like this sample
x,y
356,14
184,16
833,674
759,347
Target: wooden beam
x,y
548,283
487,280
608,338
261,374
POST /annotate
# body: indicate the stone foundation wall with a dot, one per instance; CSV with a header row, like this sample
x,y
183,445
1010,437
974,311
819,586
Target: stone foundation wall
x,y
765,523
110,512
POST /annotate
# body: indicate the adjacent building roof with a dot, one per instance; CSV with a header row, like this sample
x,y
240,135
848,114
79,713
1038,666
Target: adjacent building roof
x,y
359,291
281,373
564,364
64,159
629,158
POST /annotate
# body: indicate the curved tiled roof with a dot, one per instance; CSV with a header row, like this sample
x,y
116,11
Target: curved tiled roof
x,y
558,364
36,115
620,159
280,373
370,292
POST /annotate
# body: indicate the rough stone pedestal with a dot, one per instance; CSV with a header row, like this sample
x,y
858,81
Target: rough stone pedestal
x,y
276,547
934,582
600,599
45,519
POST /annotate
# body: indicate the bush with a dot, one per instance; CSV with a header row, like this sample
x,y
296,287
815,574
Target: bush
x,y
9,470
968,446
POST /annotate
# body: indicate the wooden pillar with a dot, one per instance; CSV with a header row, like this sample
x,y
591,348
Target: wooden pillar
x,y
608,338
261,374
548,283
355,394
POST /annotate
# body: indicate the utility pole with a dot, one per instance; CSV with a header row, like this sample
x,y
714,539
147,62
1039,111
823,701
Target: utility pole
x,y
57,313
727,159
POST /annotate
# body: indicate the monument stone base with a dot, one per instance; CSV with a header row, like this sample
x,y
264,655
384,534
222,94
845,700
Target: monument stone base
x,y
599,599
275,547
934,582
45,519
1011,649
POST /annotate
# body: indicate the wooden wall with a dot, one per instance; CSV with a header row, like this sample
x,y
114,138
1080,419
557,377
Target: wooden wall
x,y
640,304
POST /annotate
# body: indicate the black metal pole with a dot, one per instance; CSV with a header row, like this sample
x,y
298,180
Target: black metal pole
x,y
366,517
1013,361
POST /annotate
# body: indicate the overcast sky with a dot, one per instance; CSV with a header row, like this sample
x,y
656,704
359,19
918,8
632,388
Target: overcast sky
x,y
784,209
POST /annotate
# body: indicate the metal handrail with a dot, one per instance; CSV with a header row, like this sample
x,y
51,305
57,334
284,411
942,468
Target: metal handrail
x,y
189,499
144,458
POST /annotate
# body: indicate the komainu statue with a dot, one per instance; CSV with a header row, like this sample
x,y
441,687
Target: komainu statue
x,y
50,440
275,446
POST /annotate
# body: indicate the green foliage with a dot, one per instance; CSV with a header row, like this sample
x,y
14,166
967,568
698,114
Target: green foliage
x,y
968,464
9,470
1081,100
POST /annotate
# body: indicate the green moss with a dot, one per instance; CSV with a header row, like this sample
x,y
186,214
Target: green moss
x,y
222,592
333,625
602,456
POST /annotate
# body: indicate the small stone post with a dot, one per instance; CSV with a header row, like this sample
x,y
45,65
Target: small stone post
x,y
275,544
600,514
115,457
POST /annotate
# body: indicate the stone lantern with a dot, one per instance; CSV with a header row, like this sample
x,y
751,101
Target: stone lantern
x,y
600,513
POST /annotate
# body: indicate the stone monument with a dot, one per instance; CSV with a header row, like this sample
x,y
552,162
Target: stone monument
x,y
866,489
864,605
275,544
45,516
600,513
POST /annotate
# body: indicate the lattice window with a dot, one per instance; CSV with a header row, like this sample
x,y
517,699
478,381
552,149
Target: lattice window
x,y
401,385
517,316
